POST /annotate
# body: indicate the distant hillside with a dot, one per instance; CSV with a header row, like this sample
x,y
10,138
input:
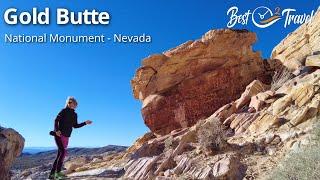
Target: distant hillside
x,y
34,150
29,160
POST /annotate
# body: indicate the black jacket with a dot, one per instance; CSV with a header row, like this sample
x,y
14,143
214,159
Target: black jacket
x,y
66,120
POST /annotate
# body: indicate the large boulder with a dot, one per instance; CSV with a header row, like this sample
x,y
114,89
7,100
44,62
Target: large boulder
x,y
297,46
193,80
252,89
11,145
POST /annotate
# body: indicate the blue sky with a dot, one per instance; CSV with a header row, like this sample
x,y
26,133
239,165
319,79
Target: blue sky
x,y
35,79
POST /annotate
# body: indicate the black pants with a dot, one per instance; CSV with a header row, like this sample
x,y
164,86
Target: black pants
x,y
62,151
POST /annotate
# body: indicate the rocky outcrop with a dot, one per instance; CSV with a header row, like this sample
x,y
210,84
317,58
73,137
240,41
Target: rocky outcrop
x,y
193,80
11,145
261,120
296,101
298,45
239,114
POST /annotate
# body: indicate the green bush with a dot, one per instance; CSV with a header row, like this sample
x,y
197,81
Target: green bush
x,y
302,165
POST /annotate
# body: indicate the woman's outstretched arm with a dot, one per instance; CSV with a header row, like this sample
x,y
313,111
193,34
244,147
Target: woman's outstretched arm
x,y
76,125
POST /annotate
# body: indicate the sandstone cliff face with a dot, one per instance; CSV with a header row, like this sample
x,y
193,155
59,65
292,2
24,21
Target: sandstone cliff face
x,y
297,46
191,81
11,145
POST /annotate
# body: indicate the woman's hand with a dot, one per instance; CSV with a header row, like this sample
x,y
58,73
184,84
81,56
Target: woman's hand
x,y
58,133
88,122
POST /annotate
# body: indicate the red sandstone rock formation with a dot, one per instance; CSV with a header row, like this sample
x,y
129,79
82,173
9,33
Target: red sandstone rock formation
x,y
193,80
11,145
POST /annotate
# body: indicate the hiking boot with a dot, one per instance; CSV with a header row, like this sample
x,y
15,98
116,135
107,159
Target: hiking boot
x,y
60,175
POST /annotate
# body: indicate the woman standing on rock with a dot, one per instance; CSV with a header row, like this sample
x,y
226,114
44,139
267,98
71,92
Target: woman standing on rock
x,y
66,120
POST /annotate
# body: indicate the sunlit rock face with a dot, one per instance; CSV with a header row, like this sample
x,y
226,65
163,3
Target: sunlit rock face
x,y
191,81
11,145
298,45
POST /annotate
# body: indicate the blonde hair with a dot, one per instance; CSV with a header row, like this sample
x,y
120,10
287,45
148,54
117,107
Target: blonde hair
x,y
71,99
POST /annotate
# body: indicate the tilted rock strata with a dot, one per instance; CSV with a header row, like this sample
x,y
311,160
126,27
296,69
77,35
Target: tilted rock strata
x,y
226,166
11,145
296,101
298,45
190,82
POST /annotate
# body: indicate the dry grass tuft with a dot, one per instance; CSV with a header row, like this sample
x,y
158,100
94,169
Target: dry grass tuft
x,y
280,77
212,136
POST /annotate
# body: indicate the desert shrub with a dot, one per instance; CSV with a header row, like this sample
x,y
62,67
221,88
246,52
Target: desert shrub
x,y
280,77
168,143
302,165
212,136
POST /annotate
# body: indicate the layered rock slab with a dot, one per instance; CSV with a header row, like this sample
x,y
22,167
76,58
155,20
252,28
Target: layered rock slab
x,y
298,45
193,80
